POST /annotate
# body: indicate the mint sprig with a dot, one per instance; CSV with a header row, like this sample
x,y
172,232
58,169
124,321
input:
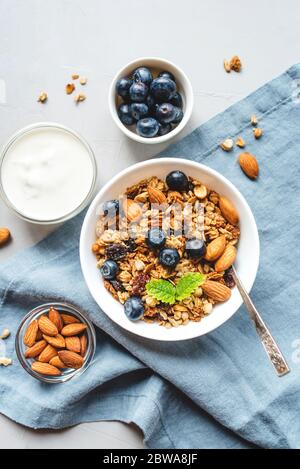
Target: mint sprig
x,y
165,291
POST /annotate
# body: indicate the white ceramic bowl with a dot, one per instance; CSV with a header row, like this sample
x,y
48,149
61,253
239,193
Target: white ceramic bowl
x,y
246,263
156,65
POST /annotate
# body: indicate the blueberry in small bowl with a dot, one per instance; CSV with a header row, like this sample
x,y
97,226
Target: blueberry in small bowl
x,y
164,129
147,127
162,88
176,99
139,110
143,75
122,87
138,92
178,115
166,113
124,113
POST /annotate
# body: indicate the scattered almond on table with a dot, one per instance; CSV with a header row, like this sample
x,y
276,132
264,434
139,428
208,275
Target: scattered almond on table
x,y
253,120
70,87
249,165
5,236
257,132
234,64
42,97
240,142
80,97
227,145
55,341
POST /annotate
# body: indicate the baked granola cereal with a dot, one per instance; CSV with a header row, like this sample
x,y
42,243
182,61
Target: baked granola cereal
x,y
161,248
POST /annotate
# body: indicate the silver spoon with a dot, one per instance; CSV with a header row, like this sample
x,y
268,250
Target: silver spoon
x,y
269,343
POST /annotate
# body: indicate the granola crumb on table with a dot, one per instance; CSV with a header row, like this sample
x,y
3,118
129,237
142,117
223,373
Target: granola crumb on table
x,y
125,243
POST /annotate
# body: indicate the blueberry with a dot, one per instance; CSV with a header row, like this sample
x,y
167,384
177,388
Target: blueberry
x,y
195,248
169,257
166,74
177,181
164,129
150,101
156,238
139,110
134,308
124,113
111,207
122,87
109,269
147,127
176,99
165,113
138,92
178,115
162,88
143,75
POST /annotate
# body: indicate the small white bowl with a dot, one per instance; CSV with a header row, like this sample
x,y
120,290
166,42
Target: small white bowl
x,y
246,262
156,65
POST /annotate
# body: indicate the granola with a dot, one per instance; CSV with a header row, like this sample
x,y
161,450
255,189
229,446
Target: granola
x,y
187,220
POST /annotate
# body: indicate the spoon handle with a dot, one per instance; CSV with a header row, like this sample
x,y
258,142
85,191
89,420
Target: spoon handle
x,y
265,335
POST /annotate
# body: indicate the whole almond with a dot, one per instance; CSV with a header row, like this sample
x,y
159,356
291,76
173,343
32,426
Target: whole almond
x,y
249,165
83,345
227,258
48,353
46,326
69,319
216,290
215,248
56,361
36,349
73,329
57,341
45,369
71,359
56,318
156,196
39,335
228,210
4,236
31,333
132,210
73,344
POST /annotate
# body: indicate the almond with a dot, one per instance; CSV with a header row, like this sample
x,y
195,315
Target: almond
x,y
253,119
156,196
73,329
83,345
56,361
215,248
228,210
4,236
48,353
36,349
70,359
240,142
227,145
45,369
216,290
31,333
73,344
46,326
69,319
39,335
257,132
70,87
227,258
56,318
249,165
226,65
57,341
132,210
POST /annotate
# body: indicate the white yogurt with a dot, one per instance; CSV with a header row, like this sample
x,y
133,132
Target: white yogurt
x,y
47,173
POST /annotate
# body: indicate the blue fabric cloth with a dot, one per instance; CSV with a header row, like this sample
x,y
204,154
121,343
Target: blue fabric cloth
x,y
217,391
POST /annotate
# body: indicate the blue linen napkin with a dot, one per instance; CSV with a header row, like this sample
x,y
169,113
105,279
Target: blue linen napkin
x,y
217,391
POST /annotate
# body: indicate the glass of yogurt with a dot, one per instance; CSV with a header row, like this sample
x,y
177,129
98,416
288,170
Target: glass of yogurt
x,y
47,173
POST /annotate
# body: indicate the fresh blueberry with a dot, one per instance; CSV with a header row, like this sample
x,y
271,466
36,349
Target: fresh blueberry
x,y
147,127
169,257
139,110
177,181
143,75
156,238
109,269
164,129
162,88
176,99
124,113
111,207
195,248
166,74
165,113
134,308
138,92
122,87
178,115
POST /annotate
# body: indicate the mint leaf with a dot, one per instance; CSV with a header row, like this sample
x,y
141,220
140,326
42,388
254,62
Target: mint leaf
x,y
161,290
188,284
